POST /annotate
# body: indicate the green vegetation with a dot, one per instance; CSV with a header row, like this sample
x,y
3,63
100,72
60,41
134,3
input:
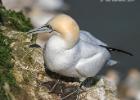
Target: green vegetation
x,y
15,20
5,64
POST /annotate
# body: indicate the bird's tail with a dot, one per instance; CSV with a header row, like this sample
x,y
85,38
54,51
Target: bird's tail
x,y
112,62
110,49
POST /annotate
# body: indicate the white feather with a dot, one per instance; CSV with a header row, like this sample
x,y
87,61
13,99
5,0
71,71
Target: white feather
x,y
85,59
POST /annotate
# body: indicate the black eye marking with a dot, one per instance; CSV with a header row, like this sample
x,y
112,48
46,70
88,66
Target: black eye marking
x,y
49,26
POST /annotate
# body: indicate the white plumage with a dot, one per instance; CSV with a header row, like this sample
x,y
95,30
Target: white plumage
x,y
71,52
85,59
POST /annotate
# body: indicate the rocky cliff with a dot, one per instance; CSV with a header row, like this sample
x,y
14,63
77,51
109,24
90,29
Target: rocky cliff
x,y
22,72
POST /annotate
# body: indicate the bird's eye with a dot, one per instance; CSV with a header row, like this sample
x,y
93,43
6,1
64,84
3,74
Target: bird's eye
x,y
49,26
50,29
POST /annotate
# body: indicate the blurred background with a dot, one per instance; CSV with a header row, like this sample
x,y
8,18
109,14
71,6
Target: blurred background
x,y
115,23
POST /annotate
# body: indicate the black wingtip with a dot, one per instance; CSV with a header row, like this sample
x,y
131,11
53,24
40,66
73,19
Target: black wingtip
x,y
128,53
110,49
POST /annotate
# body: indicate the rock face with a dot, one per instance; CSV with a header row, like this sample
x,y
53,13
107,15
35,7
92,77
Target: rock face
x,y
34,83
103,90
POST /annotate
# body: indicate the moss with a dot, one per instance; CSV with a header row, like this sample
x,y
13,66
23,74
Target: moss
x,y
14,20
5,64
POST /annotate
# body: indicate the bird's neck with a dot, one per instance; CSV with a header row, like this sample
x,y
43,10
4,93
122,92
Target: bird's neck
x,y
71,40
56,44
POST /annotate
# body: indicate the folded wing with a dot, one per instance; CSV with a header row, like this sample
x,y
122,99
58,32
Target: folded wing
x,y
87,37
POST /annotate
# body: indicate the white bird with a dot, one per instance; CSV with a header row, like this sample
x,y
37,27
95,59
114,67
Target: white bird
x,y
41,11
132,83
71,52
51,5
37,16
17,5
113,77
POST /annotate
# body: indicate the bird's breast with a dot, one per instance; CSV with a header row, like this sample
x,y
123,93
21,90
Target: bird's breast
x,y
57,58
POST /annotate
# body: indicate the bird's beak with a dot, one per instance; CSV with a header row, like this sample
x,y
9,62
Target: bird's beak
x,y
42,29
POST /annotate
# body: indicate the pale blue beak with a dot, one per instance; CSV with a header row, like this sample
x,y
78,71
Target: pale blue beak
x,y
43,29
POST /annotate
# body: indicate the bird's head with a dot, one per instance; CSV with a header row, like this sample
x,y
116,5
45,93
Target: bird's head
x,y
63,26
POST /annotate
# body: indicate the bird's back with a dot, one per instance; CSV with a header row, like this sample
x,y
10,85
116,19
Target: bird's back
x,y
87,37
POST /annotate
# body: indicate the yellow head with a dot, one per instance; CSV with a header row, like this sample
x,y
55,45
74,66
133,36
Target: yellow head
x,y
64,25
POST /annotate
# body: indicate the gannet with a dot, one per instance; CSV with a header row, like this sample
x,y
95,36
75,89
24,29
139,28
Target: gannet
x,y
70,51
